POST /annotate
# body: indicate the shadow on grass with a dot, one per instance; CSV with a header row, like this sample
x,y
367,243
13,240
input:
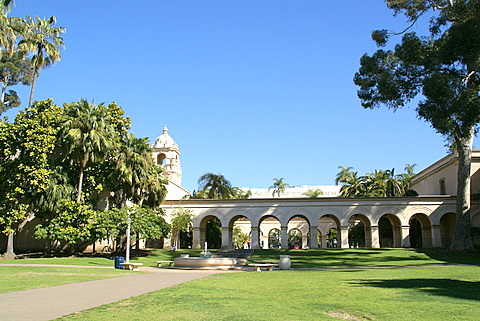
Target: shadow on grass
x,y
451,257
442,287
367,257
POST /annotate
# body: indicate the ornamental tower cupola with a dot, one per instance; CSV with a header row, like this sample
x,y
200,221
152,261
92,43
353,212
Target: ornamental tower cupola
x,y
167,155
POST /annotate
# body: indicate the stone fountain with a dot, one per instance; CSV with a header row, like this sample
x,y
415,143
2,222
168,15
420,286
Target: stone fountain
x,y
205,261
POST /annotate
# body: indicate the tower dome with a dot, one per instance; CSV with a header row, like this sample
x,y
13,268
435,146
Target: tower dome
x,y
166,154
165,140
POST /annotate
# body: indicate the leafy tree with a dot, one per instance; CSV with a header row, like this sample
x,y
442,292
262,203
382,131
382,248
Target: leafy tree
x,y
443,69
313,193
24,169
213,233
356,235
215,186
238,193
14,69
181,222
71,224
278,187
44,41
239,238
112,224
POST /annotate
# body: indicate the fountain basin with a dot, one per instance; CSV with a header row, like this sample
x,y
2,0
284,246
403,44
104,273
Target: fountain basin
x,y
205,263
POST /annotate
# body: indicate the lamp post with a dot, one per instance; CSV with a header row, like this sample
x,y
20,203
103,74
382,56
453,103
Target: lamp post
x,y
127,254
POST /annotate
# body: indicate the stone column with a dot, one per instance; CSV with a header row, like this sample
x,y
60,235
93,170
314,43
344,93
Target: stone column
x,y
284,237
324,241
313,237
406,235
427,241
265,242
255,236
226,238
343,242
196,241
375,237
437,237
368,236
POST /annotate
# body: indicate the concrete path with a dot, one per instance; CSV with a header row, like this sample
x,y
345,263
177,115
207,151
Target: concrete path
x,y
56,301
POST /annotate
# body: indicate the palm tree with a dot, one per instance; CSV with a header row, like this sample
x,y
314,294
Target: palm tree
x,y
87,136
278,187
132,166
44,41
354,187
344,175
215,186
313,193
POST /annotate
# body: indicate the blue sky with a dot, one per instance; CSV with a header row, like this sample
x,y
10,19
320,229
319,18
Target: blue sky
x,y
254,90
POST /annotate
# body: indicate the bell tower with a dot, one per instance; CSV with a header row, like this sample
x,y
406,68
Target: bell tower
x,y
167,155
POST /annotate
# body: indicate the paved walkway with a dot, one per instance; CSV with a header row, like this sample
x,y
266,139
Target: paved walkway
x,y
56,301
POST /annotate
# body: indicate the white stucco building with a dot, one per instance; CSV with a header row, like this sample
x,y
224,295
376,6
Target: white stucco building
x,y
427,220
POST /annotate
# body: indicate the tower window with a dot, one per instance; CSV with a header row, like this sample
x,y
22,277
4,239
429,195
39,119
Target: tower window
x,y
161,159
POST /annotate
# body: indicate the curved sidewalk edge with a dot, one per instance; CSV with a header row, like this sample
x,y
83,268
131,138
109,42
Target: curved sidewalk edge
x,y
56,301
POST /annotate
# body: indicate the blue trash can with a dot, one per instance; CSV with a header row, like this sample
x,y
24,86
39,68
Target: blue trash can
x,y
118,260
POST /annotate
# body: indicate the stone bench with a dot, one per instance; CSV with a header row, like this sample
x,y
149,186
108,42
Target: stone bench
x,y
132,266
159,263
257,266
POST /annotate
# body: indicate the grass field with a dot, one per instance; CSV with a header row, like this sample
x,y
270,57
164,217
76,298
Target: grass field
x,y
300,258
409,293
18,278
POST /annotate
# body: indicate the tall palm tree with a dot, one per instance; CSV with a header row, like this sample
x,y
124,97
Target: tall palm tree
x,y
354,187
43,40
278,187
136,174
344,175
87,136
215,186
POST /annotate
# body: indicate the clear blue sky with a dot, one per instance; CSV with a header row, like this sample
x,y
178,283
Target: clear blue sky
x,y
251,89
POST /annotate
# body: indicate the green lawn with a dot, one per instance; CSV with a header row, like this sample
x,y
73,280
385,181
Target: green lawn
x,y
366,257
300,258
410,293
18,278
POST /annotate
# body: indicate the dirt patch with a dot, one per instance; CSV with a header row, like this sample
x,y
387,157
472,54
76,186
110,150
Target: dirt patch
x,y
347,316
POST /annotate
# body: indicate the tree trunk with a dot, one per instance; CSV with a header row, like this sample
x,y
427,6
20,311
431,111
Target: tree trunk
x,y
9,254
32,91
80,177
462,240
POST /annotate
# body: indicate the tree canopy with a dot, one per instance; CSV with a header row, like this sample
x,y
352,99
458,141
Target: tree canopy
x,y
378,183
439,72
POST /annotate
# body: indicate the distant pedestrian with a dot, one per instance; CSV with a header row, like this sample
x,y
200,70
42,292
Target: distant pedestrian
x,y
173,248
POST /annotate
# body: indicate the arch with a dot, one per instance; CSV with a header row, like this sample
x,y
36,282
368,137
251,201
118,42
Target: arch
x,y
420,231
274,238
476,229
302,224
161,159
239,233
360,231
265,225
211,231
299,212
197,221
328,227
389,229
448,223
295,238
